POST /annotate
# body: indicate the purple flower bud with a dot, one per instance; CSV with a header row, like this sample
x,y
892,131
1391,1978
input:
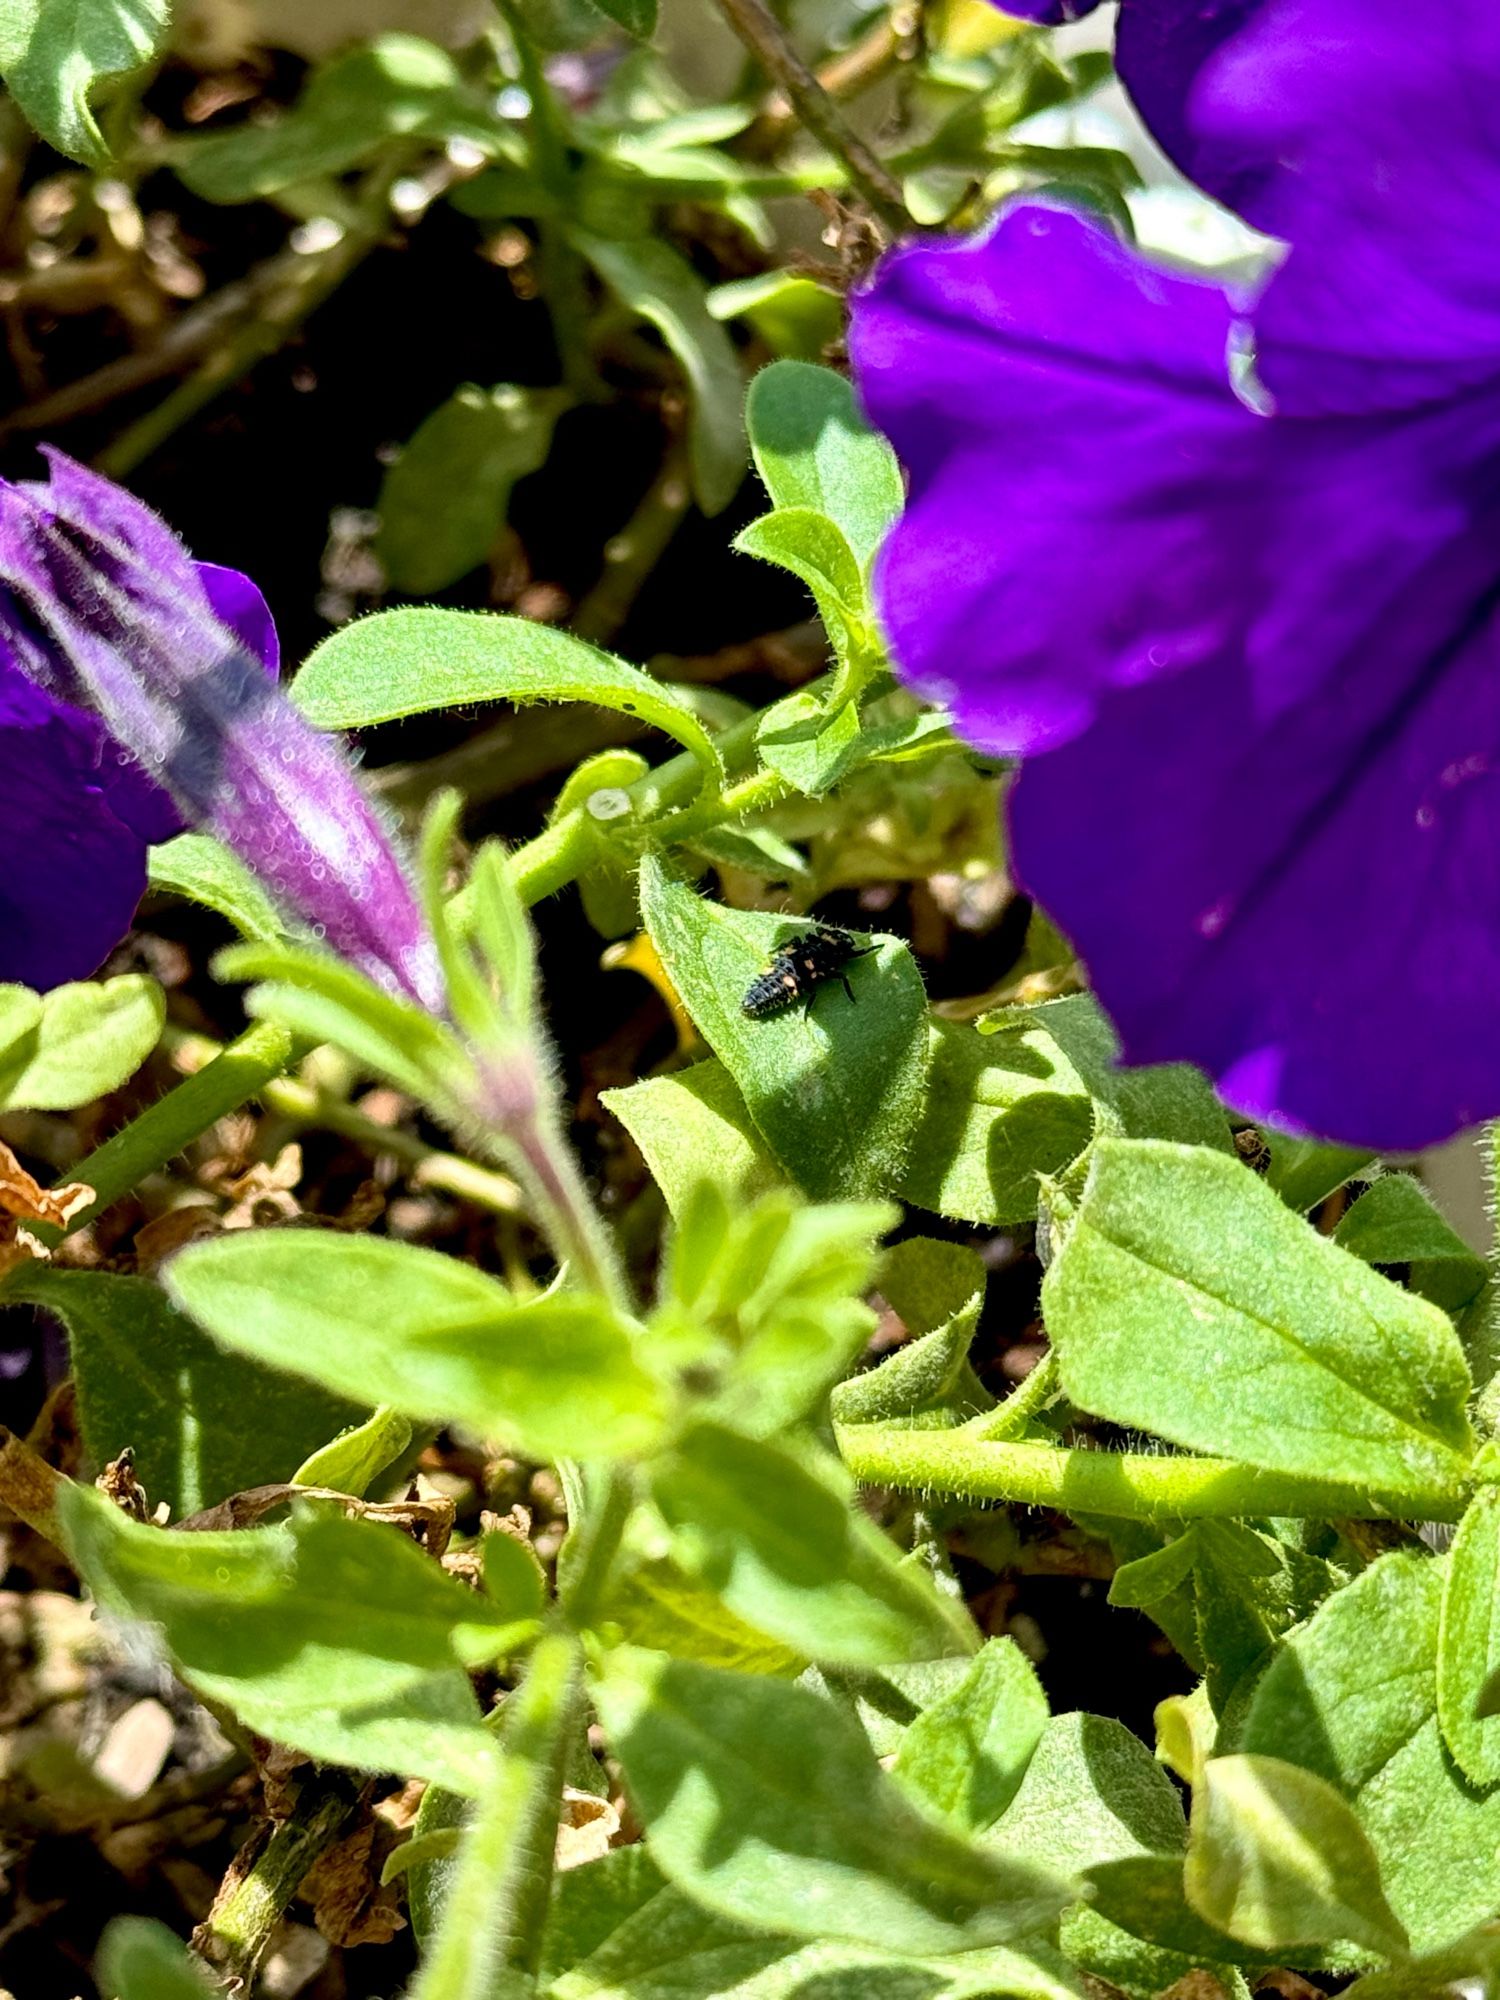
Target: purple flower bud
x,y
108,621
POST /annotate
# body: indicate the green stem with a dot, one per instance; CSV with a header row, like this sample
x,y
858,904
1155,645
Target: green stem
x,y
631,555
564,284
1124,1485
301,1104
560,854
263,1879
588,1555
488,1945
171,1125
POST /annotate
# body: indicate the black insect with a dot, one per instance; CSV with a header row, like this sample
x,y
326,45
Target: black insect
x,y
799,967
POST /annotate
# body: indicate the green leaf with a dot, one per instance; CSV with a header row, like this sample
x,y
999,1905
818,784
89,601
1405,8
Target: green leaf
x,y
762,1801
652,279
323,998
810,748
55,54
444,501
793,315
1092,1792
1001,1108
1276,1858
354,1459
787,1552
338,1637
812,547
1144,1895
420,658
1396,1222
694,1126
813,449
1188,1300
1305,1173
938,1291
619,1927
655,1603
393,86
836,1090
89,1039
1352,1697
636,17
1469,1640
555,1376
142,1960
205,871
764,1312
202,1424
20,1017
1154,1101
498,924
966,1755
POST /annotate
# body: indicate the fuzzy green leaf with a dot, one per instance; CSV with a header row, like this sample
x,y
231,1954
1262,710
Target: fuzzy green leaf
x,y
1189,1301
813,449
55,54
765,1803
420,658
789,1552
835,1090
202,1424
337,1637
426,1334
87,1040
1276,1858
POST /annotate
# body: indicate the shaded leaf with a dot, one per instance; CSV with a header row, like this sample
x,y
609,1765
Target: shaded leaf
x,y
444,501
202,1424
764,1803
652,279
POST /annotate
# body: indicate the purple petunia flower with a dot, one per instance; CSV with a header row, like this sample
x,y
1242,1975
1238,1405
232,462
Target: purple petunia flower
x,y
1233,562
138,693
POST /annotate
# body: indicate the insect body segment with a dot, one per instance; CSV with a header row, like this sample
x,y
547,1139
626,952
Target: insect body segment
x,y
798,968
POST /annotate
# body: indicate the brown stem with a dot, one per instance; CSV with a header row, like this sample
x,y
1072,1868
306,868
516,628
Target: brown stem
x,y
848,74
29,1487
760,31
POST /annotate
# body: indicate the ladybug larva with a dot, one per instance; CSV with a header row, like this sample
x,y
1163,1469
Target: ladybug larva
x,y
799,967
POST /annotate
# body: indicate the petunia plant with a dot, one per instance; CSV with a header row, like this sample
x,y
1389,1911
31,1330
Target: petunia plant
x,y
1210,566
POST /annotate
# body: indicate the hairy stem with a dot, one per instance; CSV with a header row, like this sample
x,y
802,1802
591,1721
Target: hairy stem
x,y
488,1945
1125,1485
263,1878
170,1126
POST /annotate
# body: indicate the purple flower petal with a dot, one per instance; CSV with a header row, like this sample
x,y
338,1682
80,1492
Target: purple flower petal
x,y
71,884
1065,415
1161,47
1302,905
104,610
1373,149
1275,833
